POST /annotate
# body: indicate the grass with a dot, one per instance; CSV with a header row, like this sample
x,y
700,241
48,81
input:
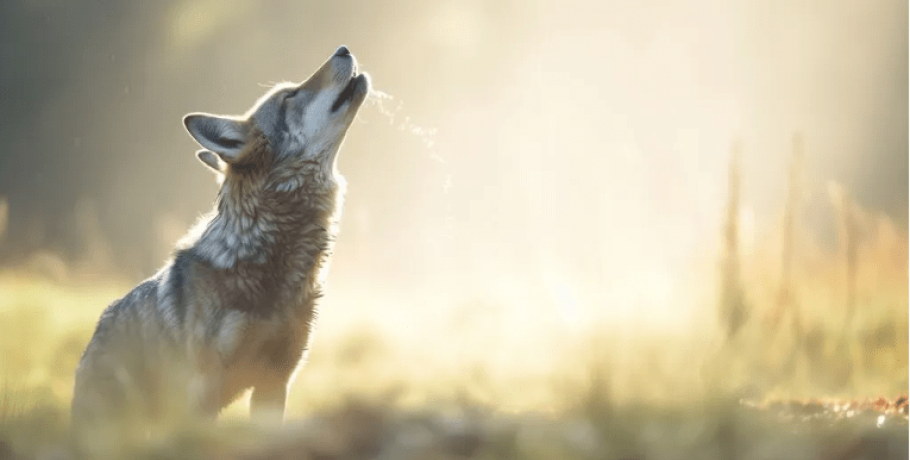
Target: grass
x,y
498,378
365,394
593,427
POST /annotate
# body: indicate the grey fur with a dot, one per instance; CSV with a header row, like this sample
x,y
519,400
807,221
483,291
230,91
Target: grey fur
x,y
235,306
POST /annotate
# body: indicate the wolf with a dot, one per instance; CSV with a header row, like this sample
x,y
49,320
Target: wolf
x,y
234,307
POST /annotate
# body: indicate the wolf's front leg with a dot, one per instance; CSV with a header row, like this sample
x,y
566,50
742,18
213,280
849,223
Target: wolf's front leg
x,y
206,395
206,383
268,400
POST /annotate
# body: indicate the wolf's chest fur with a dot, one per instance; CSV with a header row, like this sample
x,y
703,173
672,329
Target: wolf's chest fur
x,y
258,272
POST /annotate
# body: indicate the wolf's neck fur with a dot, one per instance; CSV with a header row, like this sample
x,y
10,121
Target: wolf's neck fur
x,y
272,232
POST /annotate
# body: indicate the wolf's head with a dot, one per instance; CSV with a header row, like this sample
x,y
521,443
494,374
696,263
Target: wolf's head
x,y
292,123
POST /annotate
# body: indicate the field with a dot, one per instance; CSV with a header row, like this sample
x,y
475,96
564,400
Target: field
x,y
777,342
482,380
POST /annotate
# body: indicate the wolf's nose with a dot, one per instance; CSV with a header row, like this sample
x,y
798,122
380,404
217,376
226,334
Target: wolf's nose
x,y
343,51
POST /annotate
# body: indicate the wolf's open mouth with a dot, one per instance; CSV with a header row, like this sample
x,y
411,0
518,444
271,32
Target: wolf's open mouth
x,y
346,93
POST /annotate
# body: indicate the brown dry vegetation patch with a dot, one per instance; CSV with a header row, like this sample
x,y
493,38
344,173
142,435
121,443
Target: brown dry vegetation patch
x,y
823,429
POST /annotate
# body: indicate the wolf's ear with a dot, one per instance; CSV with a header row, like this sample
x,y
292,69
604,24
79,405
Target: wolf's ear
x,y
224,136
211,159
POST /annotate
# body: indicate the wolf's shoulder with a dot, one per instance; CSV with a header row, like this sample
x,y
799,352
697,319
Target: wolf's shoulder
x,y
145,292
126,309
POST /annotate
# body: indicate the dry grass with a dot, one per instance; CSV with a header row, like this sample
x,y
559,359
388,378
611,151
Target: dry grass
x,y
489,379
600,399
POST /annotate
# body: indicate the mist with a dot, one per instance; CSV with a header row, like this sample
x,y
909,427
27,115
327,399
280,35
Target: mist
x,y
566,161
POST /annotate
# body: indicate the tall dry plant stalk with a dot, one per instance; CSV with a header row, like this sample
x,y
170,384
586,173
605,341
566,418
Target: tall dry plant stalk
x,y
4,216
786,314
790,222
848,216
850,219
787,300
733,311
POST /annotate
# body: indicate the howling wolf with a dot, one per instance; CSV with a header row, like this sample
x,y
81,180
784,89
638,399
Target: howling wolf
x,y
234,308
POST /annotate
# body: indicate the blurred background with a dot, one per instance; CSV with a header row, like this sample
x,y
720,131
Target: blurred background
x,y
672,197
